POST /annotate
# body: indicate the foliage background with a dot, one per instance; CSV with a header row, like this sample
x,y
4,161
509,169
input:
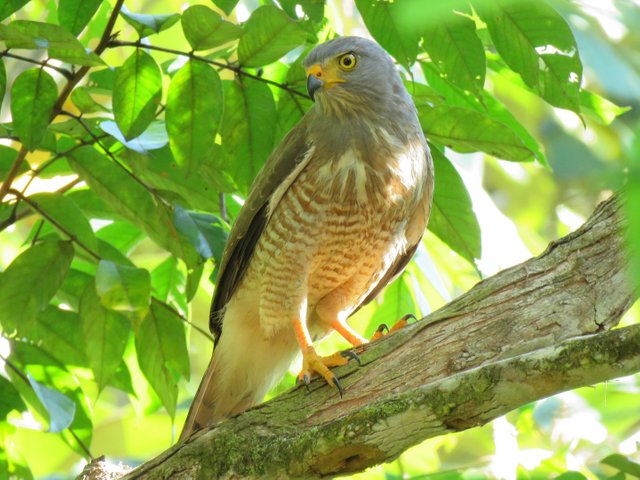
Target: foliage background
x,y
121,198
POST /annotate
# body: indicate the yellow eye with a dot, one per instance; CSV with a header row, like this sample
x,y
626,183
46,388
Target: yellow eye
x,y
347,61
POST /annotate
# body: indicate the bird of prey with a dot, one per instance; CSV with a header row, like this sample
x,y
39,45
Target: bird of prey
x,y
335,214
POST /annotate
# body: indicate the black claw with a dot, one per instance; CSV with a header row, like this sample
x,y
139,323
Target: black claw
x,y
305,379
382,327
409,316
336,383
350,354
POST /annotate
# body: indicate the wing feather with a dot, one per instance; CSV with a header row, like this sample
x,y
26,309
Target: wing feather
x,y
281,168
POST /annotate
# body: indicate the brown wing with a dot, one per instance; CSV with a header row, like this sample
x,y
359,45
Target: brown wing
x,y
253,217
415,230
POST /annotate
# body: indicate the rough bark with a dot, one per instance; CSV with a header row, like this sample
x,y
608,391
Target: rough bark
x,y
528,332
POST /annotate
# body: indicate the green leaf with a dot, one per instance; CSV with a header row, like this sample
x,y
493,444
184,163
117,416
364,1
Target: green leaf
x,y
123,288
147,25
30,281
105,335
571,476
194,108
452,218
536,42
206,232
58,333
7,7
205,29
59,43
85,103
122,235
65,215
72,288
457,51
75,14
136,93
33,97
60,408
226,6
485,104
132,200
193,281
7,158
169,283
9,399
623,464
384,20
599,108
269,34
161,346
467,130
247,130
3,80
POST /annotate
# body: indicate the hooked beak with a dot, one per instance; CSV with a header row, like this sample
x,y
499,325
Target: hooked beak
x,y
313,84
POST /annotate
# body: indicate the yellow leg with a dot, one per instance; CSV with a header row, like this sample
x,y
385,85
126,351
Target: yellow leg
x,y
314,363
403,322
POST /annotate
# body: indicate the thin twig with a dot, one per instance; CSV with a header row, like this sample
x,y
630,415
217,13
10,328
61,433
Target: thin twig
x,y
184,319
234,68
55,223
43,63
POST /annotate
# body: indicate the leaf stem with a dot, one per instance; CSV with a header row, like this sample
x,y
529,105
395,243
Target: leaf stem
x,y
43,63
234,68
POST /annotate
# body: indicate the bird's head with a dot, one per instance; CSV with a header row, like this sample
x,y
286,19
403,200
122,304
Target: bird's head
x,y
349,71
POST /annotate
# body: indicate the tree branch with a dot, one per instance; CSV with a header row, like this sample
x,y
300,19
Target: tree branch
x,y
528,332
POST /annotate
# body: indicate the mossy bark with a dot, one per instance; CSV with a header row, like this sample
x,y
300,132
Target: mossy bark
x,y
531,331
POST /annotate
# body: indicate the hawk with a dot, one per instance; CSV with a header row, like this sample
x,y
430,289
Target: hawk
x,y
335,214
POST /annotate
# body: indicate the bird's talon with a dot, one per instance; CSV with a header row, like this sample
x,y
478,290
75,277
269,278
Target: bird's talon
x,y
382,327
350,354
338,385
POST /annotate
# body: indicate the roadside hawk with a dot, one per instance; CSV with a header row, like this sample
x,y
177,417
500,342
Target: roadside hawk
x,y
334,215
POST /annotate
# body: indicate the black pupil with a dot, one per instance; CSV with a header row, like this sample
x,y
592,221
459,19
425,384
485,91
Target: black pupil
x,y
346,61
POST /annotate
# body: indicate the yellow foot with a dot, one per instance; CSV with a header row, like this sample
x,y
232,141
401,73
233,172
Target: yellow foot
x,y
403,322
314,363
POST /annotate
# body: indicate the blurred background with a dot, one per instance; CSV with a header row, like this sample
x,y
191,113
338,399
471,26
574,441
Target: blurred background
x,y
520,208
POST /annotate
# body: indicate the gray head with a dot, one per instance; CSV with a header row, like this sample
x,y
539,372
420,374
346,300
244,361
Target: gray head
x,y
352,74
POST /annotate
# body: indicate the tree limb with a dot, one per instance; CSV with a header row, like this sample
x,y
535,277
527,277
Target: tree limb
x,y
528,332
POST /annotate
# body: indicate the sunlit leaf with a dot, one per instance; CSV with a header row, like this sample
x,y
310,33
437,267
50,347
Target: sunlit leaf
x,y
146,24
269,34
194,108
137,92
623,464
467,130
535,41
65,215
60,43
599,108
75,14
105,335
162,353
123,288
247,130
206,29
84,102
30,281
457,51
383,20
452,218
9,399
7,158
168,283
61,409
33,96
